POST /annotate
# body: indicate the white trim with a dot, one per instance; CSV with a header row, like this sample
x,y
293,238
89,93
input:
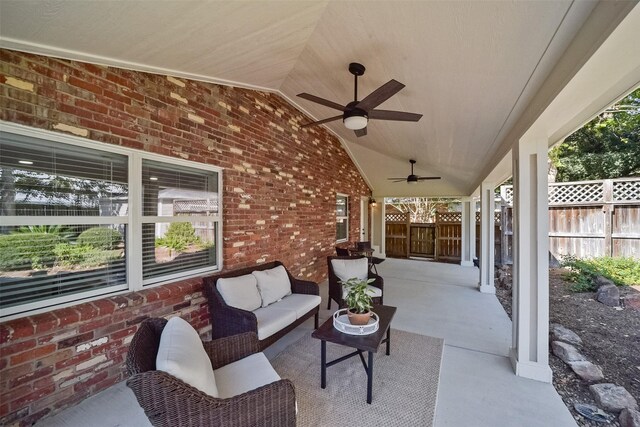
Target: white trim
x,y
467,264
74,55
133,220
344,217
530,370
485,289
63,220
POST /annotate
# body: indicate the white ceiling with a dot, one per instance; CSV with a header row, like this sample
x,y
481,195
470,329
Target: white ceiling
x,y
471,67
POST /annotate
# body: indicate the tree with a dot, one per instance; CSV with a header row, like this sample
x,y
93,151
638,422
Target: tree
x,y
606,147
421,209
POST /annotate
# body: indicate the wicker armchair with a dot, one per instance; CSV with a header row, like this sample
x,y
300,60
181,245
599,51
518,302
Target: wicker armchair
x,y
227,320
168,401
335,287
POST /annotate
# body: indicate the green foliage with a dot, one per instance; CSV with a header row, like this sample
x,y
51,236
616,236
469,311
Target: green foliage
x,y
23,251
622,271
179,236
68,255
607,147
358,297
100,238
60,230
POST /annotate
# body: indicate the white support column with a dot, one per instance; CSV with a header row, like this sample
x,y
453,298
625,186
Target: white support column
x,y
530,350
487,238
468,232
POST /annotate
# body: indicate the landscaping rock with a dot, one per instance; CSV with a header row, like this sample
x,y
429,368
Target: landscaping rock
x,y
560,333
608,295
566,352
629,418
613,397
587,371
602,281
632,301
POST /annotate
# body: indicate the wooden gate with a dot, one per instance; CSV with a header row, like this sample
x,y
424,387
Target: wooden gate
x,y
422,238
397,235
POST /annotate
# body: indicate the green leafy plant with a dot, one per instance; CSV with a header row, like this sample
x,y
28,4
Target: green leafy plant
x,y
179,236
68,255
358,297
582,272
100,238
24,251
59,230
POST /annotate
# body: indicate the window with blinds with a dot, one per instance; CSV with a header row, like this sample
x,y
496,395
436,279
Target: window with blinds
x,y
80,219
342,218
63,224
178,231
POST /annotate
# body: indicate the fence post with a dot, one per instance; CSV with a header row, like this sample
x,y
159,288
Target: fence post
x,y
408,244
607,210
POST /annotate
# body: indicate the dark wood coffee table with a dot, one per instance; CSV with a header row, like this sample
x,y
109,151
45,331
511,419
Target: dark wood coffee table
x,y
368,343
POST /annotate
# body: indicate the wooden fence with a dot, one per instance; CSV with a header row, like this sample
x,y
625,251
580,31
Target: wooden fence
x,y
440,240
586,219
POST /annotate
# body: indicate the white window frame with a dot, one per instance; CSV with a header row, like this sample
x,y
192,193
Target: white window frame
x,y
133,221
343,217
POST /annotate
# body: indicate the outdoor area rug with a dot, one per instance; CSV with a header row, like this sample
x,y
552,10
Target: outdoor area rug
x,y
405,384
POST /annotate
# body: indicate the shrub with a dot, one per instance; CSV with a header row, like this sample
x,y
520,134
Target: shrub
x,y
622,271
96,258
179,236
100,238
68,255
23,251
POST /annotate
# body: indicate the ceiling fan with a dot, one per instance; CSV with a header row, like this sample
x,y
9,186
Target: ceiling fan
x,y
356,114
413,179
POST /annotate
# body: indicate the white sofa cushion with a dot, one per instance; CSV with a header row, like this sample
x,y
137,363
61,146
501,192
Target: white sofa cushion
x,y
272,319
300,303
372,290
240,292
346,269
273,284
244,375
182,355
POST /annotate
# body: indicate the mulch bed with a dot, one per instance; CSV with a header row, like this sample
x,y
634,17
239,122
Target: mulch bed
x,y
611,340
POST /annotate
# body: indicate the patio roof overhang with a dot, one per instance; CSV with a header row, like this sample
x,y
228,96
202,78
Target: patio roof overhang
x,y
481,73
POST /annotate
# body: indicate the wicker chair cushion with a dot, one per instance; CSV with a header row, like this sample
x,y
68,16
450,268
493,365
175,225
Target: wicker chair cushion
x,y
273,284
244,375
240,292
300,303
346,269
272,319
182,355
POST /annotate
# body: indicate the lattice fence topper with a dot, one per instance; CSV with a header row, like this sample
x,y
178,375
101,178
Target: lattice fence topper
x,y
626,191
188,206
449,217
396,217
567,193
497,217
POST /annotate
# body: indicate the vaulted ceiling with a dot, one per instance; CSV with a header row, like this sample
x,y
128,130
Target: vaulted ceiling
x,y
470,67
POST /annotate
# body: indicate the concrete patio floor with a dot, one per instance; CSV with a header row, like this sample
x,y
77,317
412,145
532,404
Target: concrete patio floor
x,y
477,385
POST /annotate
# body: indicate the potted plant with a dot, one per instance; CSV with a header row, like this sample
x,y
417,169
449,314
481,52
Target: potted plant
x,y
358,300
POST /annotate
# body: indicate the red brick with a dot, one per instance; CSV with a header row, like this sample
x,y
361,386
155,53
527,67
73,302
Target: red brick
x,y
34,375
31,397
44,322
72,361
93,325
6,350
87,311
123,333
79,387
74,81
105,306
19,328
32,354
66,316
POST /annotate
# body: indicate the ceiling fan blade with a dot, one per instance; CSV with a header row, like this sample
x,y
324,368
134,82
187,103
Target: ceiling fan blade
x,y
361,132
398,178
319,122
422,178
322,101
394,115
380,95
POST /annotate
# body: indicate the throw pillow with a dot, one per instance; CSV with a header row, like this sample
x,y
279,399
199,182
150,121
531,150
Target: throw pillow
x,y
346,269
182,355
240,292
273,284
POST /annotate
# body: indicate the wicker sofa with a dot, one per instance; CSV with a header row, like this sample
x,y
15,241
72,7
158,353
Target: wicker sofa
x,y
269,323
170,401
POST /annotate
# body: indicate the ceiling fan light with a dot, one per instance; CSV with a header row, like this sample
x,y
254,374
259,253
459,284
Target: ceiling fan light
x,y
412,182
356,122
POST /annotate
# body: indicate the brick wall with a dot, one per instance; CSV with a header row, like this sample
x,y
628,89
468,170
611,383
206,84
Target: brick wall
x,y
280,183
